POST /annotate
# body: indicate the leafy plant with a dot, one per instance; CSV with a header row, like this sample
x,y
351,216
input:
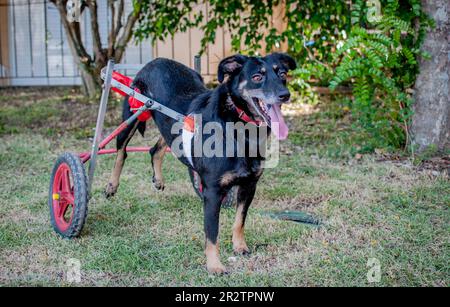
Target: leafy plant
x,y
380,61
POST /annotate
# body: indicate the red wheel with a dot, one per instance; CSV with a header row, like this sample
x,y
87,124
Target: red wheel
x,y
63,197
68,196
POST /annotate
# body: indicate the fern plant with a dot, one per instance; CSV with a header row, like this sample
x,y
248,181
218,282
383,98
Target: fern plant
x,y
379,60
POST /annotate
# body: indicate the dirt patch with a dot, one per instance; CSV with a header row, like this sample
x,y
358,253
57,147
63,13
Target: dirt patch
x,y
25,96
437,164
53,111
440,164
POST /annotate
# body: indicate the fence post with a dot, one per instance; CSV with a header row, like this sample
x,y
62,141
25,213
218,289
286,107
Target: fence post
x,y
198,64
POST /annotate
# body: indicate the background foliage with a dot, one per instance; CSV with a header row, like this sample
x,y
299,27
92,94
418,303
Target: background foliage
x,y
370,46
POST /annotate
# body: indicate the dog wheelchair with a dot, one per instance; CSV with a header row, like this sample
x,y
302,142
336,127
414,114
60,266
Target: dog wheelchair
x,y
71,186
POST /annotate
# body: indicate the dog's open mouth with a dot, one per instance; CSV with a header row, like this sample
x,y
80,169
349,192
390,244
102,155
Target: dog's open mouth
x,y
261,110
272,116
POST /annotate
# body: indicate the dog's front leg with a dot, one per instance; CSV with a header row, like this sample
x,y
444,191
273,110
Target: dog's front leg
x,y
212,202
244,198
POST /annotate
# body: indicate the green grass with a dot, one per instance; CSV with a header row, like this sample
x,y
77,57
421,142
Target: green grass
x,y
392,212
331,131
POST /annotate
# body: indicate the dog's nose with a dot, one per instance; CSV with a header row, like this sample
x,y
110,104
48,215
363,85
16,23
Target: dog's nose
x,y
285,96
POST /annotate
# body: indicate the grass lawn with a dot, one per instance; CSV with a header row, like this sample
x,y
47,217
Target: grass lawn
x,y
393,211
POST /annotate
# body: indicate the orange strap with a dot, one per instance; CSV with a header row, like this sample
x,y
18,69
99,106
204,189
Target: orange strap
x,y
189,123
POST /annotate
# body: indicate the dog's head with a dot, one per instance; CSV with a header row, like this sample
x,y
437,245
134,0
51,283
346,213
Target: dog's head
x,y
258,86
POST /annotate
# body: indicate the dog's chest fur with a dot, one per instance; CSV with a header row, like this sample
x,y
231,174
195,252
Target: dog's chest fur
x,y
245,172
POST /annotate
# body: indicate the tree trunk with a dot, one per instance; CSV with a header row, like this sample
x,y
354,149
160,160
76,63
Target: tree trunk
x,y
431,119
91,86
120,34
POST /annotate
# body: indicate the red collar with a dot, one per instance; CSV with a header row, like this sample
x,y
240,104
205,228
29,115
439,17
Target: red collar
x,y
242,115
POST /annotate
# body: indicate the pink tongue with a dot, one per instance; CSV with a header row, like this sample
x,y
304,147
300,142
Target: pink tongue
x,y
281,130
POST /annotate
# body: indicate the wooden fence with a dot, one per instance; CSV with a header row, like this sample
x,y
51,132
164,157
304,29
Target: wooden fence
x,y
34,49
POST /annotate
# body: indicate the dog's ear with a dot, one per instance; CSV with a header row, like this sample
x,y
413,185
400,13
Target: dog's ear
x,y
284,59
231,65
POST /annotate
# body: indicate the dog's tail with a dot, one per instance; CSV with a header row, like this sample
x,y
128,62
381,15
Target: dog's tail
x,y
126,114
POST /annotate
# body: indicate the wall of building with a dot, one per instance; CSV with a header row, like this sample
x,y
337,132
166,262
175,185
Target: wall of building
x,y
4,44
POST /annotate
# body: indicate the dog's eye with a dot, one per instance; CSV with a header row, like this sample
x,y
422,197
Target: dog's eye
x,y
283,75
257,78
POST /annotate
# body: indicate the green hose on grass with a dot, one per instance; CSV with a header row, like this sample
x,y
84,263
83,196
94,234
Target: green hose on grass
x,y
294,216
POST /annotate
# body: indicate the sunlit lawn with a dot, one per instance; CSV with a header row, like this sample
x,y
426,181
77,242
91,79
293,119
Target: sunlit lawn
x,y
393,212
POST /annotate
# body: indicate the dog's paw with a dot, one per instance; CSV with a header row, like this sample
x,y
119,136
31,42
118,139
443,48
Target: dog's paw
x,y
110,190
242,250
217,268
158,184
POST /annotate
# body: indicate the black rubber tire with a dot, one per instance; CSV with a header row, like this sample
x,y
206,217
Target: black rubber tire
x,y
81,198
228,202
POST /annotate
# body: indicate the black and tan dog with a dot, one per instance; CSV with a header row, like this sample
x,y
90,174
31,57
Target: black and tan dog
x,y
251,87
